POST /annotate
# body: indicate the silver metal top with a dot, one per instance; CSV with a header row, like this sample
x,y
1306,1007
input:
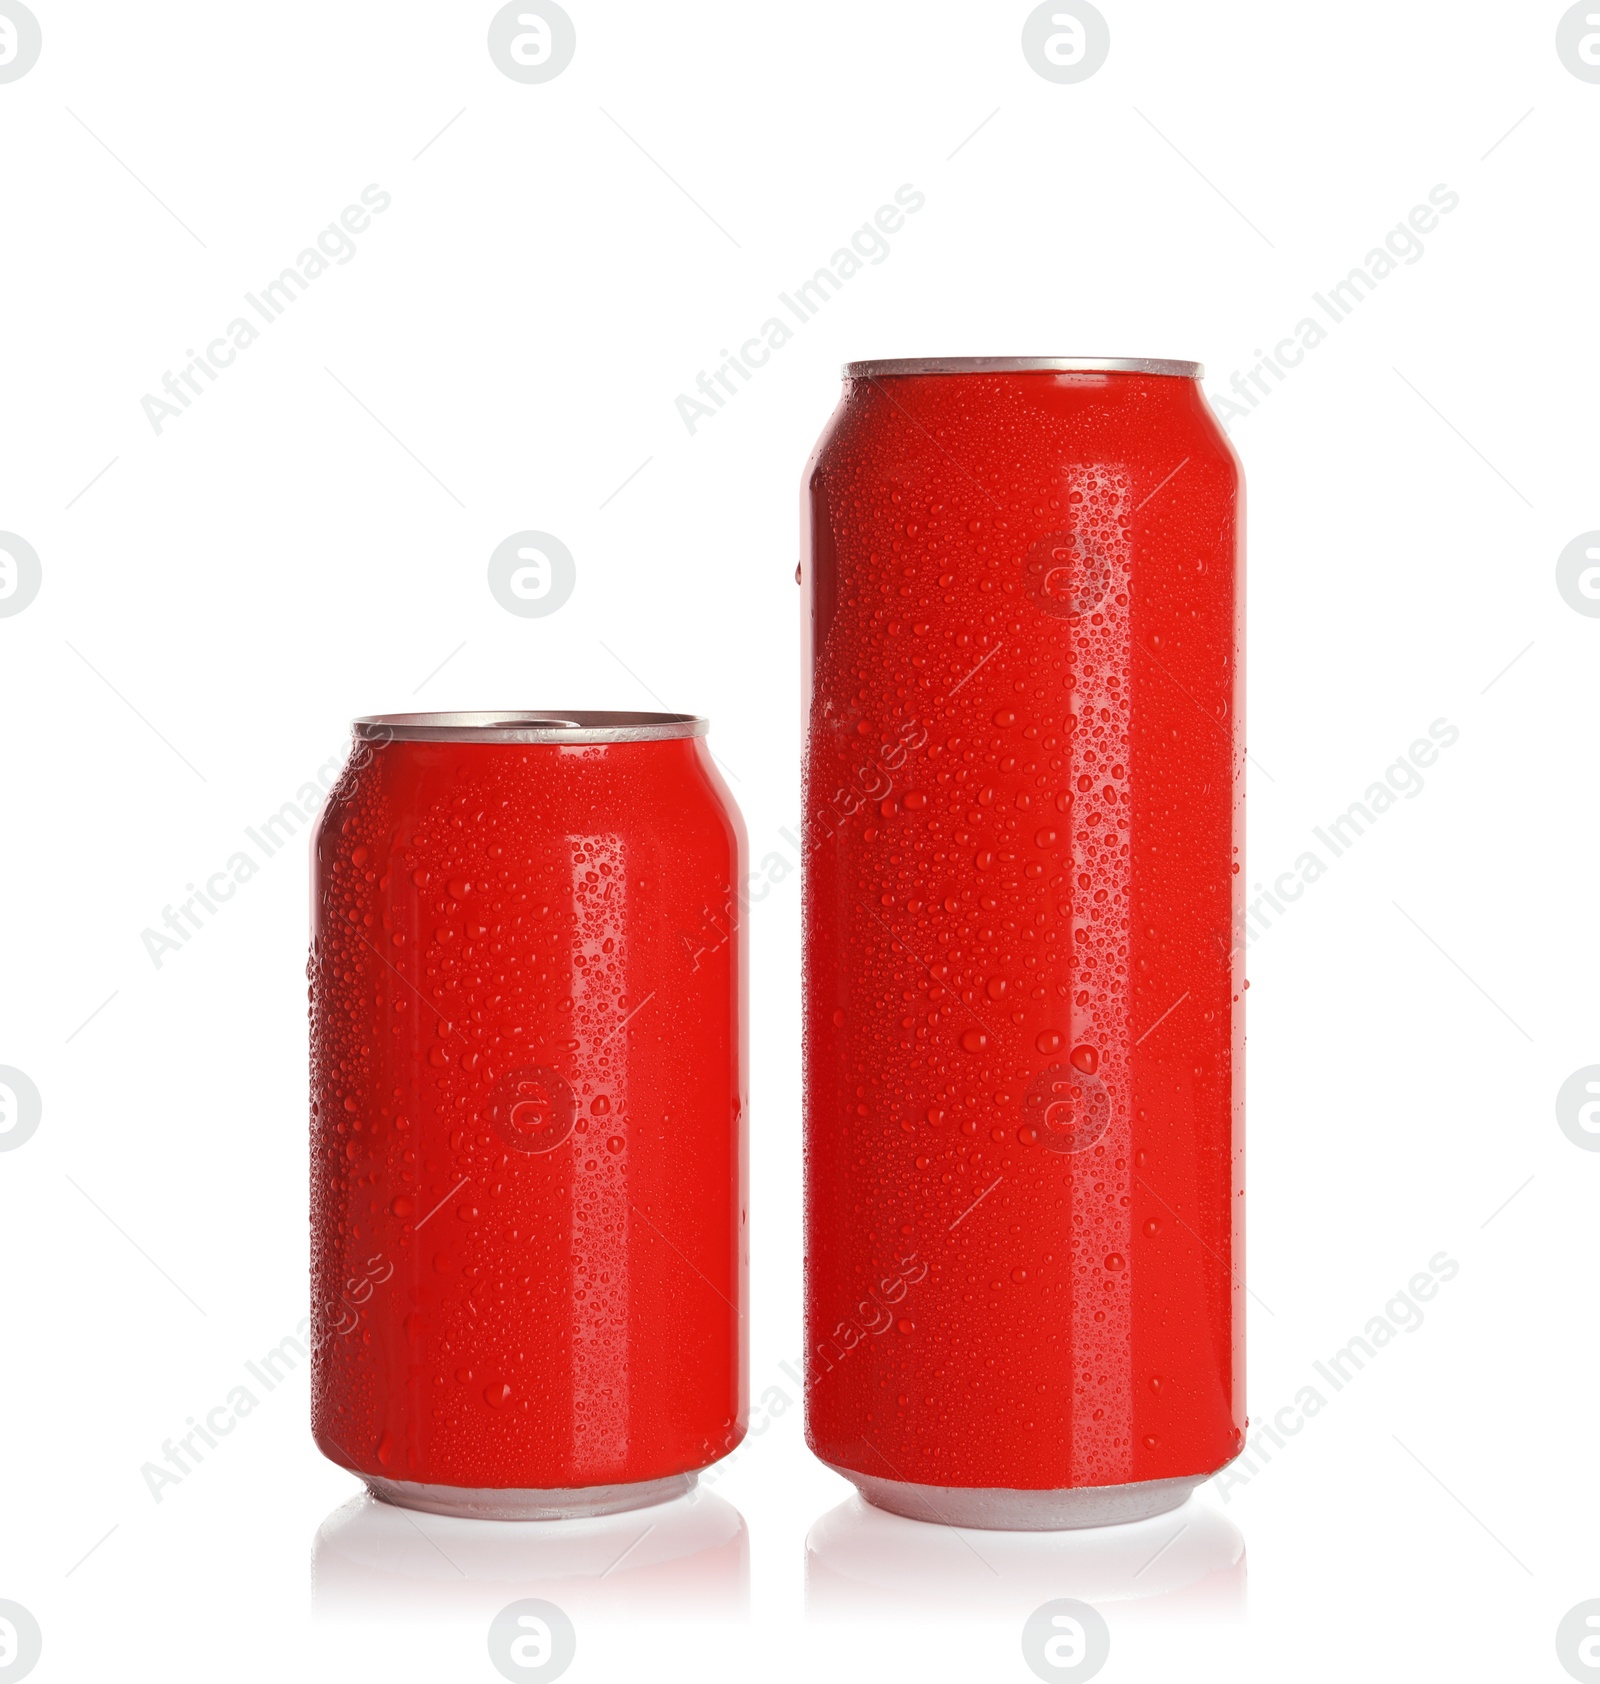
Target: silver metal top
x,y
520,727
1023,365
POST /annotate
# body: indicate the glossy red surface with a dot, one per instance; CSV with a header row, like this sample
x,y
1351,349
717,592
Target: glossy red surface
x,y
1024,1024
528,1092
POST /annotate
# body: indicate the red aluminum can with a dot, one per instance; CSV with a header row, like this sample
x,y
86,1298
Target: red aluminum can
x,y
1024,1028
528,1058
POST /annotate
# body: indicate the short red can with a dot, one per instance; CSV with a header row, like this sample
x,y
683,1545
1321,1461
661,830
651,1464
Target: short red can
x,y
528,1181
1024,1021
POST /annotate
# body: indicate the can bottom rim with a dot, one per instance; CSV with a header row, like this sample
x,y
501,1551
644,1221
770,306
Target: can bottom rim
x,y
1008,1509
583,1502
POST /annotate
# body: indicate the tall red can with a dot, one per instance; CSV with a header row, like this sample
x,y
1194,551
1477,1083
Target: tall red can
x,y
1024,1026
528,1057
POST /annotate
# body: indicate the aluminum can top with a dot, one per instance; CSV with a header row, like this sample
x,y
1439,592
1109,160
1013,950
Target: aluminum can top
x,y
1022,365
574,726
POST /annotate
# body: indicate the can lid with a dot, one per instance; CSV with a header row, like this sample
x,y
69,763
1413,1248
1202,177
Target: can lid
x,y
575,726
1023,365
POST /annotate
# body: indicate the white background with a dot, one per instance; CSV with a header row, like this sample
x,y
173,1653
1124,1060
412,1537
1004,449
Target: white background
x,y
555,268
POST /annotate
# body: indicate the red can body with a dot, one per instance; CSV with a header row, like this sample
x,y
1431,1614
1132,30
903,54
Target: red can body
x,y
1024,1030
528,1105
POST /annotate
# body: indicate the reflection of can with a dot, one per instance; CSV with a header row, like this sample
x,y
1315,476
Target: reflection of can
x,y
528,1081
1024,789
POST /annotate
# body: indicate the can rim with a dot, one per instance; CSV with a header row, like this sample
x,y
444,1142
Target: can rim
x,y
1023,365
517,725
